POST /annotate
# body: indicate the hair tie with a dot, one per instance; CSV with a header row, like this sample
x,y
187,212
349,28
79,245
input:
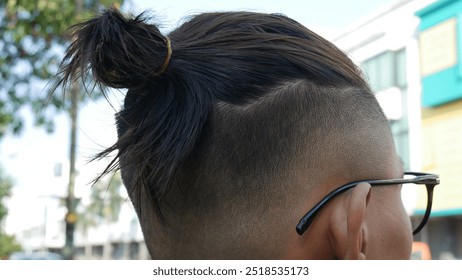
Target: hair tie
x,y
167,58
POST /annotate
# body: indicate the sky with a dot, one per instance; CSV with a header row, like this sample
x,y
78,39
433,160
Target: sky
x,y
319,15
31,158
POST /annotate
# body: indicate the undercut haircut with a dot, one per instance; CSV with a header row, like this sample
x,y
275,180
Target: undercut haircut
x,y
211,147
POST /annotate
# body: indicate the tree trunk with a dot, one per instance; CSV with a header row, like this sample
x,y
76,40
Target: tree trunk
x,y
71,203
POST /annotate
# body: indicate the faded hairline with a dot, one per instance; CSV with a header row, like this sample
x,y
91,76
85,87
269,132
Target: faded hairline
x,y
256,160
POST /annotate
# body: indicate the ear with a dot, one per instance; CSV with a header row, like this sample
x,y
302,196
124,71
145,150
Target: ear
x,y
349,230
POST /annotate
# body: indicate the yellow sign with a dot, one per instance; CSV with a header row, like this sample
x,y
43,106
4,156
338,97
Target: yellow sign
x,y
438,47
71,218
442,154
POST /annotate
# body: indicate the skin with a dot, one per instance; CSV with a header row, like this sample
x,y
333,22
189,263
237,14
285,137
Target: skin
x,y
363,223
393,230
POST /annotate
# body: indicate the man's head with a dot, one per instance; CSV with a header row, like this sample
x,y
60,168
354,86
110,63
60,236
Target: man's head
x,y
253,121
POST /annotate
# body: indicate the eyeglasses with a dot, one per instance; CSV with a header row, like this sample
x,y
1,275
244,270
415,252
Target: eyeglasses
x,y
427,179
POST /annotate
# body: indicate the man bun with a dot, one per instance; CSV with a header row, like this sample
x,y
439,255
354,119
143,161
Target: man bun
x,y
120,52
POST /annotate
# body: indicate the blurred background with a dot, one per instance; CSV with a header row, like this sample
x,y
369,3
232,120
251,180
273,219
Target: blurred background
x,y
410,51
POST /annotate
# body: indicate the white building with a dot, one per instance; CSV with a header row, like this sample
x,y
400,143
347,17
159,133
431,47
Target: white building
x,y
385,45
44,227
120,240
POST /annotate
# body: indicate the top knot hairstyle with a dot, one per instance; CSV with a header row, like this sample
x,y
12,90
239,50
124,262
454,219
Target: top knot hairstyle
x,y
121,53
211,108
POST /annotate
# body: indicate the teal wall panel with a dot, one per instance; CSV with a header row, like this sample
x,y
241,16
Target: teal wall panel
x,y
441,87
446,85
438,12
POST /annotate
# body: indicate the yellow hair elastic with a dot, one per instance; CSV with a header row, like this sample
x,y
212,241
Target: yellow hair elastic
x,y
167,58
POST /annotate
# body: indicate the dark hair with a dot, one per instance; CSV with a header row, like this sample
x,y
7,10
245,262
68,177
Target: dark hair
x,y
221,65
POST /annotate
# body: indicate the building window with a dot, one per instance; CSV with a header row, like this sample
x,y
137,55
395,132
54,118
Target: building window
x,y
401,138
97,251
134,250
386,70
117,251
400,68
80,252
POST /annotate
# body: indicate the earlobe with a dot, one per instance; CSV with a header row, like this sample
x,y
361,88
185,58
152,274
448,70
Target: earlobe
x,y
350,228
